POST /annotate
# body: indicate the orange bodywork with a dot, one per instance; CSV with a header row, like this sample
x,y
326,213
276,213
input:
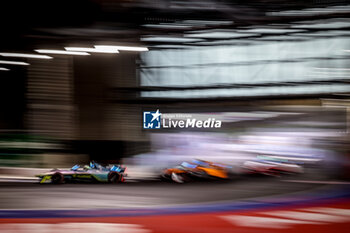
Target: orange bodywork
x,y
174,170
212,171
221,173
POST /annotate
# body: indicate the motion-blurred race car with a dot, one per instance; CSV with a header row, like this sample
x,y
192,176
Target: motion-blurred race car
x,y
196,170
271,168
93,172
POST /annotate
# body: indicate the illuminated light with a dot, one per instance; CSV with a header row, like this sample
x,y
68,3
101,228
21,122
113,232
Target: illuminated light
x,y
14,63
328,68
63,52
4,69
126,48
25,55
92,50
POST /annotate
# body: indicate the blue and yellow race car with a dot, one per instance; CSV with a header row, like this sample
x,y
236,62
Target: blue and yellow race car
x,y
93,172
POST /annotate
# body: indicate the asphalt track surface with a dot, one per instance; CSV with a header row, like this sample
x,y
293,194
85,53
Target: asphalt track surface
x,y
144,194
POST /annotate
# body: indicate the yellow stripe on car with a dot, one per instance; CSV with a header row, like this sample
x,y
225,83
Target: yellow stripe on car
x,y
45,178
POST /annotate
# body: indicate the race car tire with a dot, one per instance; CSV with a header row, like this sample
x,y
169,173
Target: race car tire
x,y
57,178
114,177
178,178
165,177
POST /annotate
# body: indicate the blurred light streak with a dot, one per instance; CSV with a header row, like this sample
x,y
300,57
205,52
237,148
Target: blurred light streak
x,y
25,55
115,47
63,52
92,50
14,63
4,69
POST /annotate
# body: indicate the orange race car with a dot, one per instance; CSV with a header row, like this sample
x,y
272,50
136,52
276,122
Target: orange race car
x,y
196,170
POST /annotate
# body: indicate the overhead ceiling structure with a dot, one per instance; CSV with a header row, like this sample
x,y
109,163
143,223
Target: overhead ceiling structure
x,y
197,48
26,24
